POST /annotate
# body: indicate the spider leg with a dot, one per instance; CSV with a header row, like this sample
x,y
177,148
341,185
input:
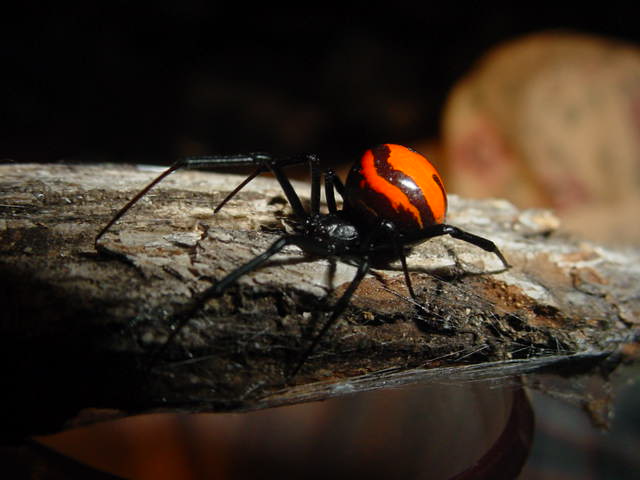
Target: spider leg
x,y
316,174
338,309
184,316
288,190
255,263
363,268
332,183
398,250
135,199
240,186
262,161
455,232
190,162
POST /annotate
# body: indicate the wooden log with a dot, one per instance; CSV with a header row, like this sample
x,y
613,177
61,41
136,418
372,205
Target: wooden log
x,y
81,330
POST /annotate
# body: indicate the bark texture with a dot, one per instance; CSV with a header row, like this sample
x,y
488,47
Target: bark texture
x,y
81,330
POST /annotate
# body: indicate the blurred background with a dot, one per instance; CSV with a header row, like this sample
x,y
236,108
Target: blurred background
x,y
537,105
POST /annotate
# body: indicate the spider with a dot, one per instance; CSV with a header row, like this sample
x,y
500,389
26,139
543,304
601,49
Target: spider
x,y
393,198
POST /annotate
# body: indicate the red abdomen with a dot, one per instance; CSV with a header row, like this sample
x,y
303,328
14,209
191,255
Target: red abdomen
x,y
395,183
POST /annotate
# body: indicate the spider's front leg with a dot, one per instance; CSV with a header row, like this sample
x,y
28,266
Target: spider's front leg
x,y
189,163
263,162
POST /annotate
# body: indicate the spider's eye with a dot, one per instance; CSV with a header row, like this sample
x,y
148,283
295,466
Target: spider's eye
x,y
343,231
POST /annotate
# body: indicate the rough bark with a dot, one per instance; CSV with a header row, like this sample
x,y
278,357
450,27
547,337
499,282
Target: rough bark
x,y
81,330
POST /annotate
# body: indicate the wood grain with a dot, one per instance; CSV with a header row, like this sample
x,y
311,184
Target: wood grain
x,y
79,328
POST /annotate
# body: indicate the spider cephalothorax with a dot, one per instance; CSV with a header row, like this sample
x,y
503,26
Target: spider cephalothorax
x,y
333,232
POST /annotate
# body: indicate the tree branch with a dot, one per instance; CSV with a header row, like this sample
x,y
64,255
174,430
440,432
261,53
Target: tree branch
x,y
80,329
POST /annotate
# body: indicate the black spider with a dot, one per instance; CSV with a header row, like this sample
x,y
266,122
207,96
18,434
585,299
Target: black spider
x,y
393,198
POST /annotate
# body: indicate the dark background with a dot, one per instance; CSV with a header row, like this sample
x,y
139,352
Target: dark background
x,y
147,83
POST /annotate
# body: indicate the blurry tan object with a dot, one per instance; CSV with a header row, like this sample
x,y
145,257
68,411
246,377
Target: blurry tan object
x,y
552,120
